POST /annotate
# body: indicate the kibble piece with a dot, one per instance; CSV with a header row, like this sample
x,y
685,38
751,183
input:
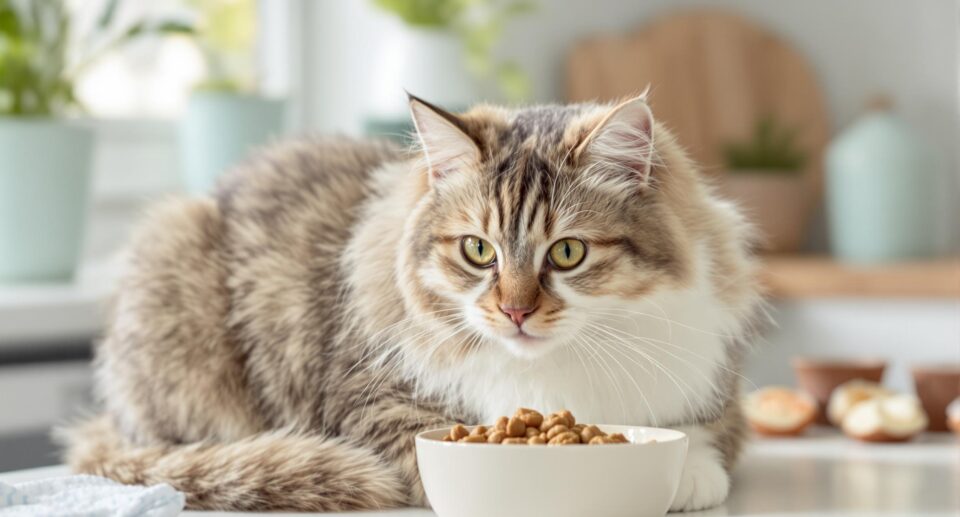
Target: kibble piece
x,y
554,420
447,438
502,423
496,437
478,431
530,417
514,441
474,438
458,432
567,438
568,416
532,431
516,428
619,438
589,432
536,440
600,440
555,430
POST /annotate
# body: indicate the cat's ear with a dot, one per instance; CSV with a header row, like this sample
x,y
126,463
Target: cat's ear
x,y
623,138
446,145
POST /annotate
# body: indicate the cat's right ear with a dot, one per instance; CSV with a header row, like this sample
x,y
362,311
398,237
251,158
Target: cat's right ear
x,y
446,145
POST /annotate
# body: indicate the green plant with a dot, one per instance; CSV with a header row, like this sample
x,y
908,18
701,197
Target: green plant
x,y
479,24
226,34
771,148
39,62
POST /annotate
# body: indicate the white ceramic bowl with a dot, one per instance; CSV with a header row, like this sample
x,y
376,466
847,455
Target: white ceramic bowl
x,y
637,479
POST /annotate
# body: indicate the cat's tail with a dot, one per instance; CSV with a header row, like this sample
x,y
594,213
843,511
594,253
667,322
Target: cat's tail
x,y
265,472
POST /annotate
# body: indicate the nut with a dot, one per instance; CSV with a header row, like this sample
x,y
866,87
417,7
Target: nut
x,y
589,432
566,438
458,432
555,430
516,428
496,437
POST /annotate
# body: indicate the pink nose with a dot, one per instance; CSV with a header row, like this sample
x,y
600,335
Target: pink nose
x,y
517,314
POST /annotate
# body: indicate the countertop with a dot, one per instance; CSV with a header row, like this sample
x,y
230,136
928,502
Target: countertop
x,y
820,474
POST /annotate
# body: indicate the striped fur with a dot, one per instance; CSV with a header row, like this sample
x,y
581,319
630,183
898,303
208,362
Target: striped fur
x,y
291,333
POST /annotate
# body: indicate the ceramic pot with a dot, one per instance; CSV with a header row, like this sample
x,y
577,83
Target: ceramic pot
x,y
776,202
44,191
881,192
936,387
220,129
819,377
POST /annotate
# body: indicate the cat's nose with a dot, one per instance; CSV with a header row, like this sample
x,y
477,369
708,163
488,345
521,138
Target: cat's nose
x,y
517,314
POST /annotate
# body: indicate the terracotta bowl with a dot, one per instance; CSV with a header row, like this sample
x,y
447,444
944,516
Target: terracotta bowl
x,y
819,377
936,387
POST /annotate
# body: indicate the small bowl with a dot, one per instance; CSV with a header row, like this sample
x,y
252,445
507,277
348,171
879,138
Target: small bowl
x,y
936,387
819,377
635,479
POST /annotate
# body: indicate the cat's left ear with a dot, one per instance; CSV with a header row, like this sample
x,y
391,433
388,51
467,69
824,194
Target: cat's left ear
x,y
624,137
448,148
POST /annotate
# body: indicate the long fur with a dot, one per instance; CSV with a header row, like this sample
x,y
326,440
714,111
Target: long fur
x,y
277,345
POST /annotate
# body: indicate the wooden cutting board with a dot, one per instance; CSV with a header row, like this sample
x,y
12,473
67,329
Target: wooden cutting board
x,y
712,76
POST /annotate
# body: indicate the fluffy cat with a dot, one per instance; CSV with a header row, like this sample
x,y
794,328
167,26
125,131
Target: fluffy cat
x,y
277,345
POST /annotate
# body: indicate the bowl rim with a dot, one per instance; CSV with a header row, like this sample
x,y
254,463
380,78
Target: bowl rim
x,y
673,435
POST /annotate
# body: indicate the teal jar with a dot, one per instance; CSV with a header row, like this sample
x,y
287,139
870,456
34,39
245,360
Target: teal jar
x,y
219,129
45,167
882,195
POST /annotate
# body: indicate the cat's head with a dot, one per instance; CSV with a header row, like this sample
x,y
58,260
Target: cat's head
x,y
536,223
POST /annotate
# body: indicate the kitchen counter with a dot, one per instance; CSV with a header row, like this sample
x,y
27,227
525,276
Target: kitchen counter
x,y
821,474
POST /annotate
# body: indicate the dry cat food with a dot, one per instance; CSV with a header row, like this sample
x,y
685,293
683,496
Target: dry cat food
x,y
530,427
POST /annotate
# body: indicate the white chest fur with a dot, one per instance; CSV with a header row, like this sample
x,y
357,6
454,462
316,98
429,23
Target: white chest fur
x,y
654,362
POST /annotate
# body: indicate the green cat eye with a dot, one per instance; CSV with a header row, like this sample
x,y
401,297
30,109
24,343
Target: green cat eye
x,y
567,253
478,251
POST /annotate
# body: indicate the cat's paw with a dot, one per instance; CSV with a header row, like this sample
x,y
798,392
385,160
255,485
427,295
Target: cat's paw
x,y
704,484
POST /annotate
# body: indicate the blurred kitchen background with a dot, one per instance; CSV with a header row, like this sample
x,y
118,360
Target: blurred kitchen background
x,y
835,124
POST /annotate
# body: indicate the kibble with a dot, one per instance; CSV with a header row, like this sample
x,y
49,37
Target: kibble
x,y
530,427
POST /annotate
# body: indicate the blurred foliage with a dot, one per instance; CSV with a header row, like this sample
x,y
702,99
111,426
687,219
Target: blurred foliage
x,y
226,34
772,148
479,24
38,63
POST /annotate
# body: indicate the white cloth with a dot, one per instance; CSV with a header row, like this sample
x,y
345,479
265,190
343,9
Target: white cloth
x,y
87,496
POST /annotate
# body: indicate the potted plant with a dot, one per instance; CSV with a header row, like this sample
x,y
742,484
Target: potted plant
x,y
442,52
225,116
765,178
45,170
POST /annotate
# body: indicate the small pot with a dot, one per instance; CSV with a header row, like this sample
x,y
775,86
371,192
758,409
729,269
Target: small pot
x,y
777,203
44,183
819,377
936,387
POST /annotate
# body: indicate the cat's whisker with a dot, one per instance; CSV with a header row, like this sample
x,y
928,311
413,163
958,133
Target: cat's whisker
x,y
596,348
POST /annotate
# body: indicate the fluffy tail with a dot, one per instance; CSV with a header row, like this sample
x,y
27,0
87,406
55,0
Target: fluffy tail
x,y
265,472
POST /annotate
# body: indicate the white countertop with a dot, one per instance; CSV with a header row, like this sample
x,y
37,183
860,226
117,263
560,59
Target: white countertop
x,y
821,474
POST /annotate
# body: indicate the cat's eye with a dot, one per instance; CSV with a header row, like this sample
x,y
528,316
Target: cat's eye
x,y
478,251
567,253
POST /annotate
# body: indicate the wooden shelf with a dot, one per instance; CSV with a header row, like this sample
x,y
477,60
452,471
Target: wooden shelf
x,y
799,276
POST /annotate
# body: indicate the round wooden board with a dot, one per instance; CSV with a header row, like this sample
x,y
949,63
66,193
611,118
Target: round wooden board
x,y
713,75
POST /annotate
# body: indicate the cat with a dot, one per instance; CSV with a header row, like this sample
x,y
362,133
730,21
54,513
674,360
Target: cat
x,y
277,345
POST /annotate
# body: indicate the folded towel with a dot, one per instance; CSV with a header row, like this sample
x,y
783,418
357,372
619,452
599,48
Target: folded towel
x,y
87,496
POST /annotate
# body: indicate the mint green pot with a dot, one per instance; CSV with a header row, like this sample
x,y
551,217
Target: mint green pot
x,y
881,192
220,129
44,189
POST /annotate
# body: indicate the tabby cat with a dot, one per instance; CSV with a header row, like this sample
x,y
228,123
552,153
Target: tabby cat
x,y
277,345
